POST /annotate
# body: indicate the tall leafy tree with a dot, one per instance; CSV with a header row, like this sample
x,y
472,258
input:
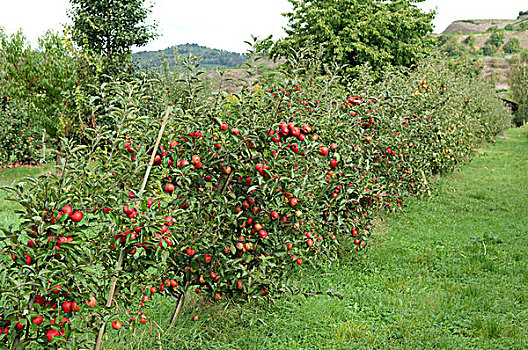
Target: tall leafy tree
x,y
354,32
519,86
109,28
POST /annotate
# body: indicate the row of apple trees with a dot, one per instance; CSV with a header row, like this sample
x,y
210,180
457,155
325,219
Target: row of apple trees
x,y
224,195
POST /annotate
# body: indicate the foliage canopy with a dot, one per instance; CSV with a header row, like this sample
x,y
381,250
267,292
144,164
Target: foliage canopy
x,y
110,28
355,32
519,86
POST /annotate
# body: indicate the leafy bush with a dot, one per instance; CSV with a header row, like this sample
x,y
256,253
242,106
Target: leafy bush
x,y
19,141
39,89
512,46
488,49
496,39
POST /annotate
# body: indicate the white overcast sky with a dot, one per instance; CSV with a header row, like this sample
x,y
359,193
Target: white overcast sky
x,y
225,24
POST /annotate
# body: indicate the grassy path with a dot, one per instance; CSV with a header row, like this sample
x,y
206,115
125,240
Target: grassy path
x,y
449,273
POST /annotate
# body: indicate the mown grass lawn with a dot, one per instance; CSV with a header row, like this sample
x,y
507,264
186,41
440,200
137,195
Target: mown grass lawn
x,y
451,272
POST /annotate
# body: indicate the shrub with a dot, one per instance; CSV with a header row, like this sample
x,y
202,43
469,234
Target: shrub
x,y
39,90
512,46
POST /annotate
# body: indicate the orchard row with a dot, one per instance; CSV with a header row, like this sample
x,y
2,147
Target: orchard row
x,y
225,196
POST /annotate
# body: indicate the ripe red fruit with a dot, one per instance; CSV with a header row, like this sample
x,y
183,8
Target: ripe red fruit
x,y
274,215
239,284
235,131
67,210
37,320
116,325
289,246
127,210
28,259
295,131
19,325
92,301
143,319
77,216
299,261
30,243
323,150
307,129
263,234
294,201
52,333
67,307
208,258
333,163
169,188
333,146
194,318
190,251
39,299
224,126
153,290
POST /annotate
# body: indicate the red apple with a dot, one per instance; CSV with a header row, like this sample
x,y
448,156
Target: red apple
x,y
52,333
67,307
77,216
67,210
37,320
169,188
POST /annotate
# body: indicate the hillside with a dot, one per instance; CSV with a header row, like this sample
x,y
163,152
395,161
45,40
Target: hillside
x,y
477,25
211,58
492,41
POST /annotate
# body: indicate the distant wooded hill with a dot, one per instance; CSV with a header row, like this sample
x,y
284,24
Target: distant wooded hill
x,y
211,58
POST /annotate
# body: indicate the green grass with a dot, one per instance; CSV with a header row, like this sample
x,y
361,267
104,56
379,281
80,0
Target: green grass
x,y
7,176
451,272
